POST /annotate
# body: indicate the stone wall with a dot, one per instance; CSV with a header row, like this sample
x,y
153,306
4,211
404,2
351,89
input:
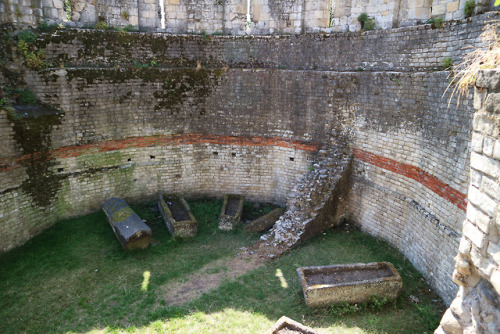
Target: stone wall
x,y
209,115
400,50
234,16
476,308
409,172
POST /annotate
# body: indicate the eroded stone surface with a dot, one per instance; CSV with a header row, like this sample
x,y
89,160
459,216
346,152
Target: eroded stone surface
x,y
129,228
265,222
232,209
177,216
351,283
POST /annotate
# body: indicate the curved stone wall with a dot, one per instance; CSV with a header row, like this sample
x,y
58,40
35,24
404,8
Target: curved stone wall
x,y
207,116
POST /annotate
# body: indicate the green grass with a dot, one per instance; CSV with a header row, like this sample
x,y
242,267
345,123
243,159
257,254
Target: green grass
x,y
76,278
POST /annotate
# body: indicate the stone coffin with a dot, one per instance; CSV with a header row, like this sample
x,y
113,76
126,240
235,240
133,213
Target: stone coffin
x,y
286,325
265,222
351,283
129,228
230,214
177,216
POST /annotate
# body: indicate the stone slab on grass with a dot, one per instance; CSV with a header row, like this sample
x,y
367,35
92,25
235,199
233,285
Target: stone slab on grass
x,y
129,228
177,216
230,214
264,222
351,283
286,325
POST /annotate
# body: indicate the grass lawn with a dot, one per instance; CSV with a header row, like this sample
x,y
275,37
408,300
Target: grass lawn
x,y
75,278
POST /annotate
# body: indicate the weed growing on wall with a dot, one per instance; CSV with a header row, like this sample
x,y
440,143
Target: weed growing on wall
x,y
18,12
34,59
101,25
44,26
447,63
437,22
464,74
125,15
469,8
67,9
366,22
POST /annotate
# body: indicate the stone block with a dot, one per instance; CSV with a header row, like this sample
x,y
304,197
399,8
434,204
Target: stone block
x,y
129,228
482,201
485,164
477,142
483,222
496,150
489,79
491,187
438,10
287,325
480,95
265,222
450,324
452,6
495,281
486,124
492,104
474,234
494,252
351,283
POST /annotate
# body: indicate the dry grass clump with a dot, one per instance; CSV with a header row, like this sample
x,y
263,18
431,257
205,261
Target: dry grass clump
x,y
464,74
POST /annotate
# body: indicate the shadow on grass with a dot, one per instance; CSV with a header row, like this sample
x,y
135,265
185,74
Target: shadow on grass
x,y
75,277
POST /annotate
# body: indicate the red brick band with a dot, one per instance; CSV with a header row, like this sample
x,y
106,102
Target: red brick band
x,y
415,173
153,141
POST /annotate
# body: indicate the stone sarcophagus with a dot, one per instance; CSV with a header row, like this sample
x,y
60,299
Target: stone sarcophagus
x,y
351,283
129,228
177,216
286,325
264,222
230,214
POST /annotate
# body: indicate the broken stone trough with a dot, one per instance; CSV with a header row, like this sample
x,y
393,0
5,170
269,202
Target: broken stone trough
x,y
177,216
232,209
264,222
351,283
129,228
286,325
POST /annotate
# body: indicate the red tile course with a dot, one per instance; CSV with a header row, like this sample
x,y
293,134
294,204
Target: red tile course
x,y
415,173
7,164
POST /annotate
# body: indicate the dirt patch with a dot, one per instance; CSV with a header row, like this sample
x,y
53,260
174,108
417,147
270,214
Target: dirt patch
x,y
208,278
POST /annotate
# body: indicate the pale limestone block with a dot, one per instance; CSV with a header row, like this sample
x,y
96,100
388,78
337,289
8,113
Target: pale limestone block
x,y
491,187
485,164
484,266
495,280
464,246
494,252
474,234
452,6
482,201
422,13
471,212
496,150
438,10
483,222
488,146
174,2
450,324
475,178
